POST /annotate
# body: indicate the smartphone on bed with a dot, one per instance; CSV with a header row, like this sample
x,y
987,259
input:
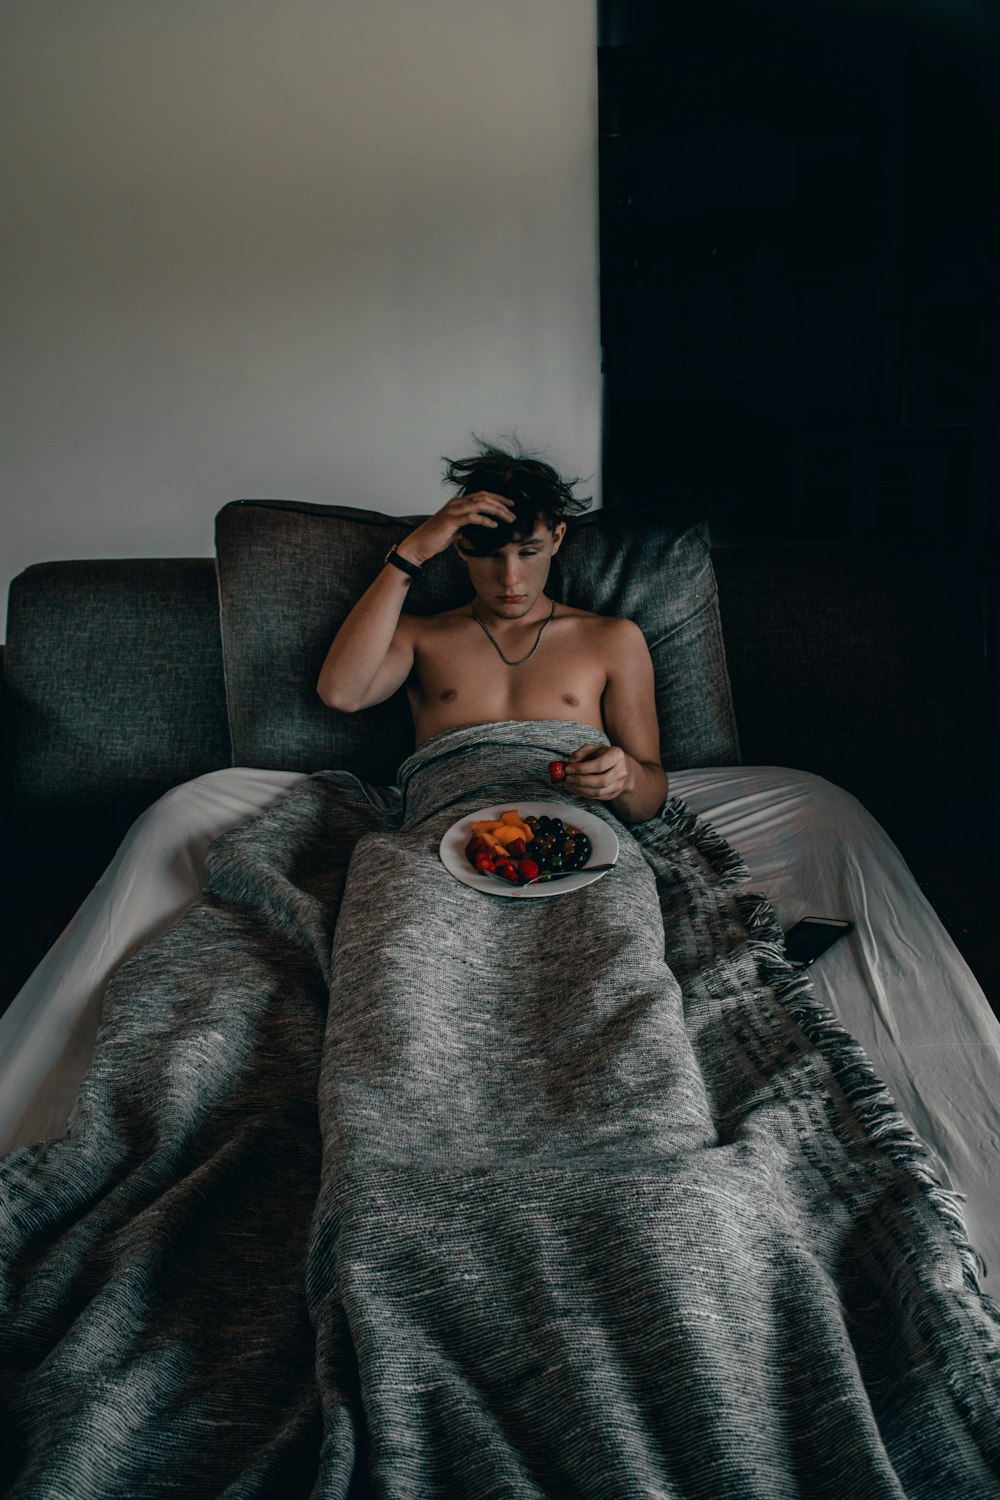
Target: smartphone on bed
x,y
812,936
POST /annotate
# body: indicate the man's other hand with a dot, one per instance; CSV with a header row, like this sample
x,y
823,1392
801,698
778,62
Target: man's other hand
x,y
600,772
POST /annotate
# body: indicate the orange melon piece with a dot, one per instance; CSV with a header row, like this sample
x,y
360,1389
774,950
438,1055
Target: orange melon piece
x,y
508,832
514,820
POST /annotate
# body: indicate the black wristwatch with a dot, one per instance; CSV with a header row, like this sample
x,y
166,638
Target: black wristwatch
x,y
392,556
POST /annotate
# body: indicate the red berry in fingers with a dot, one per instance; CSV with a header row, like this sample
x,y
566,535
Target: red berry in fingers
x,y
557,770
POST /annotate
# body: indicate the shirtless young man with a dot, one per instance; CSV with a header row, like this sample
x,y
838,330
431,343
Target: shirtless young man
x,y
511,653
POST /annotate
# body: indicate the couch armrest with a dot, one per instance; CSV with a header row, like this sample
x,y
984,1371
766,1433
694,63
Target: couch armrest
x,y
113,693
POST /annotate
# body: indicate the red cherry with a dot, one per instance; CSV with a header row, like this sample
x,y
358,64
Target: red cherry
x,y
557,770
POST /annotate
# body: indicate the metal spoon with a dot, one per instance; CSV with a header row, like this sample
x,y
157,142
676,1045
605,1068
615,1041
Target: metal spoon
x,y
553,875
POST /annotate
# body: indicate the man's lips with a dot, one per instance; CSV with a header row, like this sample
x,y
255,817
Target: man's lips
x,y
510,598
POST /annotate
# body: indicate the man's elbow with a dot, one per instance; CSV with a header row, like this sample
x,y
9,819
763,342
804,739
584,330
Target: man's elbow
x,y
332,699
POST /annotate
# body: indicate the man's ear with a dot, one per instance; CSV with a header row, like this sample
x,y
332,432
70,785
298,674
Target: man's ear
x,y
558,534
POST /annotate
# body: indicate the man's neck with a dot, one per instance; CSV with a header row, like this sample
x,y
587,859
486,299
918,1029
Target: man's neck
x,y
510,624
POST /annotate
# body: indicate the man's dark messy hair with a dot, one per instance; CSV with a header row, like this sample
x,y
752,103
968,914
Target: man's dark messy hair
x,y
534,489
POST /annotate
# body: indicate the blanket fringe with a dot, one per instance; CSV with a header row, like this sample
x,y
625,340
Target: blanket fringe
x,y
676,820
869,1098
871,1102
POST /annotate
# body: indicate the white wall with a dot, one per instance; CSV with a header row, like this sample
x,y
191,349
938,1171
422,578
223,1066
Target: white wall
x,y
287,248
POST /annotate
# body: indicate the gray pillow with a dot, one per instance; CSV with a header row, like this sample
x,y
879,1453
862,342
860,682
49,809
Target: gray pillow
x,y
290,572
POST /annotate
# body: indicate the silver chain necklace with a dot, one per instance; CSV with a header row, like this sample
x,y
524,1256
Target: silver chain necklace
x,y
534,647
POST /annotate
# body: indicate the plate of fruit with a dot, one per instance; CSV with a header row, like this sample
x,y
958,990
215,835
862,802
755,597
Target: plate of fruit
x,y
529,849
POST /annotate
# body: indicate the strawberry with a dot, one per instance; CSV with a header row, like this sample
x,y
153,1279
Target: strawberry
x,y
516,848
557,770
507,870
485,864
527,870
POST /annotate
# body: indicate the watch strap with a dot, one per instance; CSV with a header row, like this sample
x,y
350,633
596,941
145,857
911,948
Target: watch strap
x,y
392,556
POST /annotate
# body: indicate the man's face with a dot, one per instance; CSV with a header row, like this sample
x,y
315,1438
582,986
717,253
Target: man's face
x,y
510,580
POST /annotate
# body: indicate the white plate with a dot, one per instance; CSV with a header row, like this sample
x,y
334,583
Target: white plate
x,y
603,842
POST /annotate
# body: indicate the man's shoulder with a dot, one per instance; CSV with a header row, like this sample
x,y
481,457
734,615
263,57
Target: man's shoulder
x,y
417,623
615,631
582,614
617,626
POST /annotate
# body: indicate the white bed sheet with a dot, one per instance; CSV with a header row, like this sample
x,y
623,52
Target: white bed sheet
x,y
897,982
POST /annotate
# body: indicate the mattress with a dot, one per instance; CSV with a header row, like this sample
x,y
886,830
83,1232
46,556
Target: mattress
x,y
897,982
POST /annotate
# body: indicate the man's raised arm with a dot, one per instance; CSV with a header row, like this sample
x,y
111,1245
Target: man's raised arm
x,y
372,653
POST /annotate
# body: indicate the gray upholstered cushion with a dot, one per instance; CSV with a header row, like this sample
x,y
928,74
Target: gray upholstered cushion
x,y
114,692
290,572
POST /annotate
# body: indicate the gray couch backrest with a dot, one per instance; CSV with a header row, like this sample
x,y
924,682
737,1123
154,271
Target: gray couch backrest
x,y
290,572
864,665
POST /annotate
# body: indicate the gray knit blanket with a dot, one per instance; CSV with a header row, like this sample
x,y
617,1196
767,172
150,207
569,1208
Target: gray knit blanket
x,y
379,1185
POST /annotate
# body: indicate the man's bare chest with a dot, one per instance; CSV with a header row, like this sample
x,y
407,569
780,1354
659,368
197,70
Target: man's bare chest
x,y
457,669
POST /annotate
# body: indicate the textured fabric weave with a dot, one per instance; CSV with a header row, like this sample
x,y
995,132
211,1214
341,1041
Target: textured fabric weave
x,y
381,1185
289,574
114,692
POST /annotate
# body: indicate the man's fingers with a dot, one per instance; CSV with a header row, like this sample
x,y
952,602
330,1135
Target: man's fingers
x,y
487,503
598,775
592,765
